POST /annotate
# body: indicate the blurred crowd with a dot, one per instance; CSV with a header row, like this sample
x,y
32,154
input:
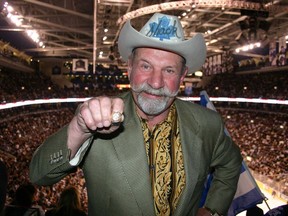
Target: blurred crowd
x,y
271,85
260,133
16,86
263,140
20,135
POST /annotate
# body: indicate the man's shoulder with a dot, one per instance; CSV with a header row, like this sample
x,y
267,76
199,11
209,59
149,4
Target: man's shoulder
x,y
197,115
125,95
191,107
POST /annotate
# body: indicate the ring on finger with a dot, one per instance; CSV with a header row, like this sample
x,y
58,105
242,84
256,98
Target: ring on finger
x,y
117,117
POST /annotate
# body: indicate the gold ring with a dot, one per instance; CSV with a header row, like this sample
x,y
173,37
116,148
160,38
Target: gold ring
x,y
117,117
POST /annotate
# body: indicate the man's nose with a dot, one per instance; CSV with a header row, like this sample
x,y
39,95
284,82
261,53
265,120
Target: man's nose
x,y
156,80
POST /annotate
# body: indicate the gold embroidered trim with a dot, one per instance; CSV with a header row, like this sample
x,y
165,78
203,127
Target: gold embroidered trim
x,y
165,159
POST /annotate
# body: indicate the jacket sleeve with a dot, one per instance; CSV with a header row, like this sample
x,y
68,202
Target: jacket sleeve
x,y
50,162
226,163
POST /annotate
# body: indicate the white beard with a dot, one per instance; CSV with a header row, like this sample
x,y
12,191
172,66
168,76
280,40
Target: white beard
x,y
152,106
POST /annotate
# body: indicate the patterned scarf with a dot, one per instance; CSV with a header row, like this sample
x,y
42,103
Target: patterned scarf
x,y
165,159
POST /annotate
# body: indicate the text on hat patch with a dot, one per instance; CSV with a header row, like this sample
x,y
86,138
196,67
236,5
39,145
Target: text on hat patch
x,y
162,30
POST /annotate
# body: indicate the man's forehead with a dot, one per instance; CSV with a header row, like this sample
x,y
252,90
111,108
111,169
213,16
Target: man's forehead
x,y
141,50
145,54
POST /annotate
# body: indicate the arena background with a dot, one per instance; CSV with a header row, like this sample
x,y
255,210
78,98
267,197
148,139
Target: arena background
x,y
248,86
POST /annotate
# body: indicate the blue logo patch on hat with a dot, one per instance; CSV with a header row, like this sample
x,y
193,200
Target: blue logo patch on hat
x,y
164,32
163,29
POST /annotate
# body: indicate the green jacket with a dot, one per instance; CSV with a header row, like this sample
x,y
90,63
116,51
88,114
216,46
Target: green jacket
x,y
116,170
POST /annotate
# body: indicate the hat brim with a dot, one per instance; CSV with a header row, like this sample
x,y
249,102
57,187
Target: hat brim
x,y
193,50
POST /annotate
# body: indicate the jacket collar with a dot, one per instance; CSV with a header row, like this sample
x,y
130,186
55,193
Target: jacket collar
x,y
134,160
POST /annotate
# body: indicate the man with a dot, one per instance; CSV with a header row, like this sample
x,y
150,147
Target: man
x,y
156,160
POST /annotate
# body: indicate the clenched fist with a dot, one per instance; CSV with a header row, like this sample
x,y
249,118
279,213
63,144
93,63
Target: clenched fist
x,y
99,114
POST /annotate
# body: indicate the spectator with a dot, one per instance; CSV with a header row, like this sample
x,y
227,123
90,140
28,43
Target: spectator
x,y
68,204
23,203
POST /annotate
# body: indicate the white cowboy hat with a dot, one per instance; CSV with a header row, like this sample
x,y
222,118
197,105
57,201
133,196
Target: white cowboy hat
x,y
163,32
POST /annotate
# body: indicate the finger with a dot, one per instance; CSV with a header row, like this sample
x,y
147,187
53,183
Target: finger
x,y
96,107
117,118
85,115
105,108
117,105
117,115
97,112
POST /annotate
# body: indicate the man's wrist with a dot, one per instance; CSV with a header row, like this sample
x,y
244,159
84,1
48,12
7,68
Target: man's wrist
x,y
212,212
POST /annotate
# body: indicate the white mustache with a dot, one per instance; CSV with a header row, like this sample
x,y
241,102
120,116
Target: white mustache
x,y
144,87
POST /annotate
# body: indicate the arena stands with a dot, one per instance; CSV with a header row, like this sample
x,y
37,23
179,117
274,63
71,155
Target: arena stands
x,y
260,130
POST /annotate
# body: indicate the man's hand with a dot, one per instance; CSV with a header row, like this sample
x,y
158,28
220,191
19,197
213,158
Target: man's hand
x,y
94,115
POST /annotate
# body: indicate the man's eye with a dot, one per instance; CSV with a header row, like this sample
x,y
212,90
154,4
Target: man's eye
x,y
145,67
170,71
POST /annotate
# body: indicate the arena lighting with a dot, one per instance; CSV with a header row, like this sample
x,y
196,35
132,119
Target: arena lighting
x,y
123,86
248,47
248,158
73,100
41,101
198,73
244,100
180,5
17,19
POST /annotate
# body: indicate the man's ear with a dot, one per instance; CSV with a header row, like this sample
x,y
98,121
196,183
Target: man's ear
x,y
184,74
129,68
